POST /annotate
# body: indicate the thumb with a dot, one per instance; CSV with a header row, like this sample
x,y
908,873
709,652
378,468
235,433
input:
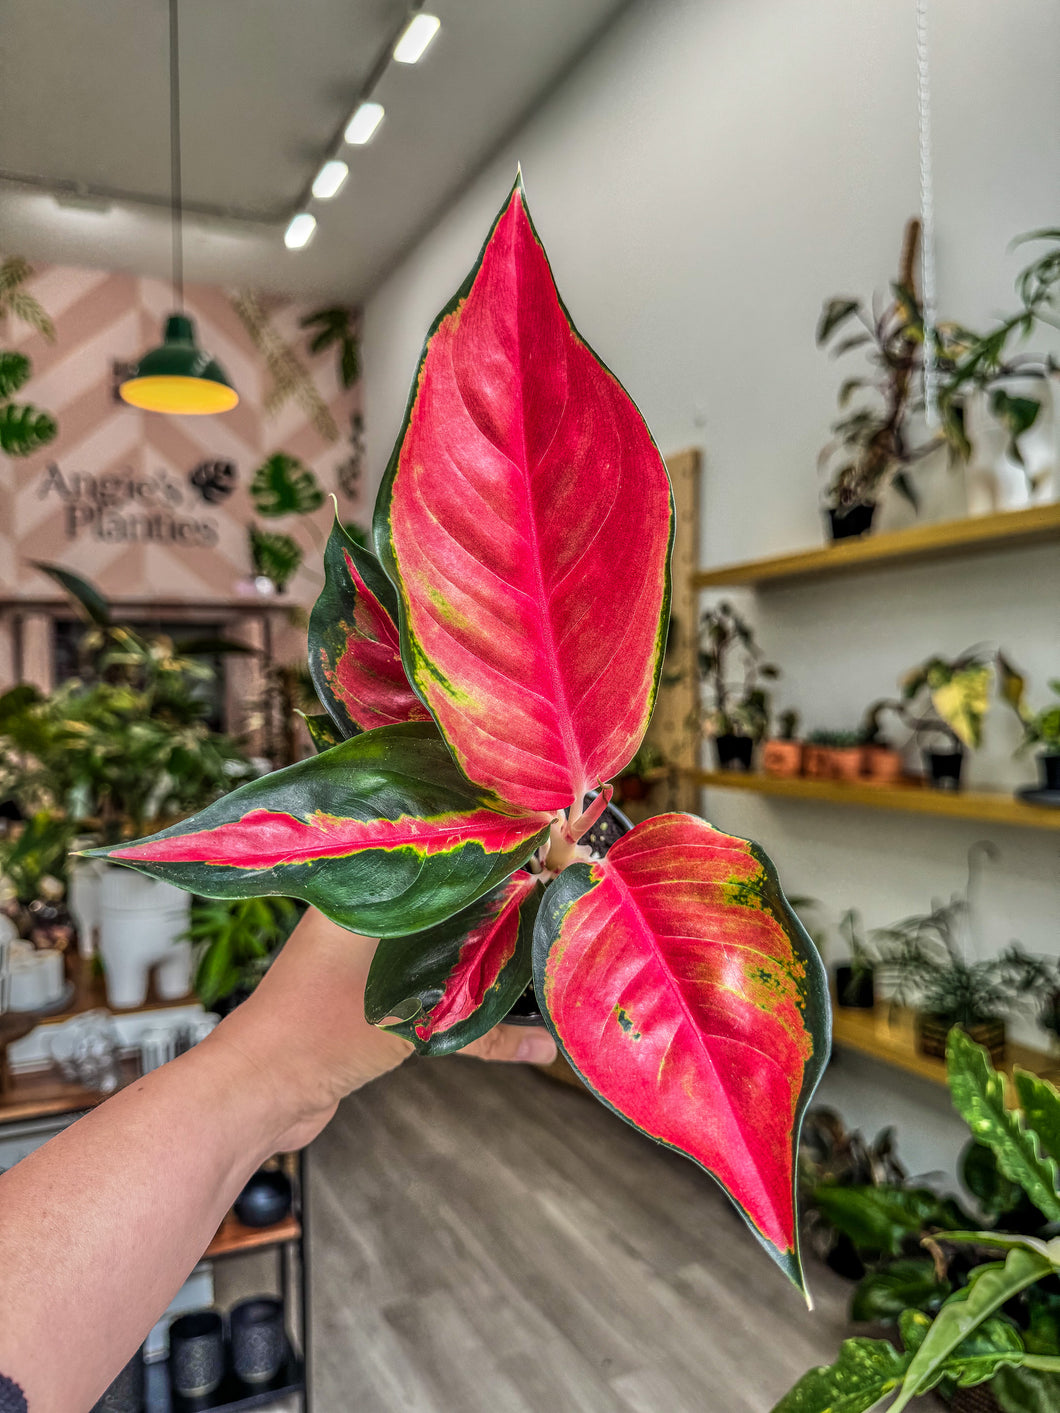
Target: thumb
x,y
527,1044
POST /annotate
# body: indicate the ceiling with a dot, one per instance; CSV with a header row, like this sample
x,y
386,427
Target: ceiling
x,y
265,85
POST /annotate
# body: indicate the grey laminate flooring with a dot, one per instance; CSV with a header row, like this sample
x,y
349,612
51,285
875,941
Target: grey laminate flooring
x,y
486,1240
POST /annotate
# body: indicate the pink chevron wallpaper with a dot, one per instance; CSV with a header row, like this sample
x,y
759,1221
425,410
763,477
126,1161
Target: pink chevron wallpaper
x,y
113,498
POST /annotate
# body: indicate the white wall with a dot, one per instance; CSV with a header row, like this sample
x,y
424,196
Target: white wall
x,y
705,178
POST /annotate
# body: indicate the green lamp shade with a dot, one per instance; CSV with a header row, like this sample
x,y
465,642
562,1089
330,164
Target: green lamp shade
x,y
178,377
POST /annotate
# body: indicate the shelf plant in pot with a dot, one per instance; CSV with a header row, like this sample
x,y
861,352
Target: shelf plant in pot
x,y
1040,729
855,980
945,702
834,755
122,748
736,713
782,753
490,671
870,447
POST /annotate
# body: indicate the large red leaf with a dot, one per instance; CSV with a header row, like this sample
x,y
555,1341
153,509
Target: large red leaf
x,y
526,520
382,833
451,983
686,994
354,649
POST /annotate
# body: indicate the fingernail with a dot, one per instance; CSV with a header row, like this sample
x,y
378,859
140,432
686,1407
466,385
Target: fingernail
x,y
537,1048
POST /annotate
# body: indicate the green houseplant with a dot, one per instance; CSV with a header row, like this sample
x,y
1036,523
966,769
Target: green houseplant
x,y
24,428
234,940
834,755
1041,729
998,1313
782,754
855,980
495,665
736,714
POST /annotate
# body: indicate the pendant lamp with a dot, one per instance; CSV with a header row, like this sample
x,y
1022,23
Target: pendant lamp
x,y
178,377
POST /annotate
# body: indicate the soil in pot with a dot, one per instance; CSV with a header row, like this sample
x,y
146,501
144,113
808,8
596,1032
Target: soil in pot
x,y
932,1031
944,769
848,524
855,987
733,752
782,758
611,825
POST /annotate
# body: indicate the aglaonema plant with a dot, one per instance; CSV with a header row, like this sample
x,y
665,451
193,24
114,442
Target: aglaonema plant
x,y
485,678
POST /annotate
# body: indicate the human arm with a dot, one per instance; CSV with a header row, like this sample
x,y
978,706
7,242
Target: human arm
x,y
101,1226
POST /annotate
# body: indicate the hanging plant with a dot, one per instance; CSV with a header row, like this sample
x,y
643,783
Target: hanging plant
x,y
283,485
336,328
524,529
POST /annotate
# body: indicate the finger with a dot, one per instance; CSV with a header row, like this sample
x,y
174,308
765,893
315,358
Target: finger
x,y
529,1045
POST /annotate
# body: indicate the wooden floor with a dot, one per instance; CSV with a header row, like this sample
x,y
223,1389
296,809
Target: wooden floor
x,y
486,1240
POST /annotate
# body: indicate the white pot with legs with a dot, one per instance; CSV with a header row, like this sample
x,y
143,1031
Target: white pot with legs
x,y
995,479
141,920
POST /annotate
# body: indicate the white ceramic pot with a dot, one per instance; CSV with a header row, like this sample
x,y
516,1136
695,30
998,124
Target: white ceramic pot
x,y
140,922
83,881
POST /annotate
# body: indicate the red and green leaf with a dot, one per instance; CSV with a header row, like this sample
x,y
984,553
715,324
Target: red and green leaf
x,y
451,983
382,833
684,991
322,730
526,521
354,648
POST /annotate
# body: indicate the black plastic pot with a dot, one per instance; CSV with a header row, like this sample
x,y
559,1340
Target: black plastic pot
x,y
733,752
196,1353
265,1200
259,1344
944,768
1049,770
847,524
611,825
855,987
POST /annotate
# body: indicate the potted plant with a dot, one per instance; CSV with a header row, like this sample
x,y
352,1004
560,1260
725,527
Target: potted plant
x,y
234,939
782,753
870,449
855,980
945,701
124,747
975,1310
833,755
881,762
926,956
534,655
641,776
1042,729
737,714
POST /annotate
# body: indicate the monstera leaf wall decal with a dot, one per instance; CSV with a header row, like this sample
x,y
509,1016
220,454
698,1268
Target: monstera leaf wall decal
x,y
485,678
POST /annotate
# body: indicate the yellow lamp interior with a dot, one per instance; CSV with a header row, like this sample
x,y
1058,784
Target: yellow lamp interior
x,y
174,394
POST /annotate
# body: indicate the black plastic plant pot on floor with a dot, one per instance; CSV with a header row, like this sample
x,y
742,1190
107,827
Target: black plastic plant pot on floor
x,y
848,524
611,825
855,987
733,752
944,768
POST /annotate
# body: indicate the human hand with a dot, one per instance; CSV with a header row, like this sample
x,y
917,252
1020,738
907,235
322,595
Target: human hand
x,y
304,1037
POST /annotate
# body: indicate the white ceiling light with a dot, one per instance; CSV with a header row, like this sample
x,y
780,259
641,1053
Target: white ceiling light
x,y
300,232
364,123
419,32
328,181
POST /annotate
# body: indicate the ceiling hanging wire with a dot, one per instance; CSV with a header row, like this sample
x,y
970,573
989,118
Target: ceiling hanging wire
x,y
176,183
927,214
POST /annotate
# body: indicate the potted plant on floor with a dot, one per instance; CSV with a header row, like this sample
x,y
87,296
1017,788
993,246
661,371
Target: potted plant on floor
x,y
782,753
736,714
673,973
981,1311
855,980
870,449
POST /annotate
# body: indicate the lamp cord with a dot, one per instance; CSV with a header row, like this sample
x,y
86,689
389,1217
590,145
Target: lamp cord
x,y
175,189
927,216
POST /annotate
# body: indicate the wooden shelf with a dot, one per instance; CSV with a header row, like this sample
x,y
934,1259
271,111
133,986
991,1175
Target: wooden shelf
x,y
888,1034
233,1237
1011,529
985,808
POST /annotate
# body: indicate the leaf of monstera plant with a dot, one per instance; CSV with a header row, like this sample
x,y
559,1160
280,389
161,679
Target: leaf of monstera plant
x,y
452,983
15,369
24,429
381,833
683,989
282,485
354,647
526,520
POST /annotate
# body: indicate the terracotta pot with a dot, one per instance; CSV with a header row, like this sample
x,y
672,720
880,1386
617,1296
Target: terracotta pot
x,y
931,1033
846,762
883,766
782,757
817,762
